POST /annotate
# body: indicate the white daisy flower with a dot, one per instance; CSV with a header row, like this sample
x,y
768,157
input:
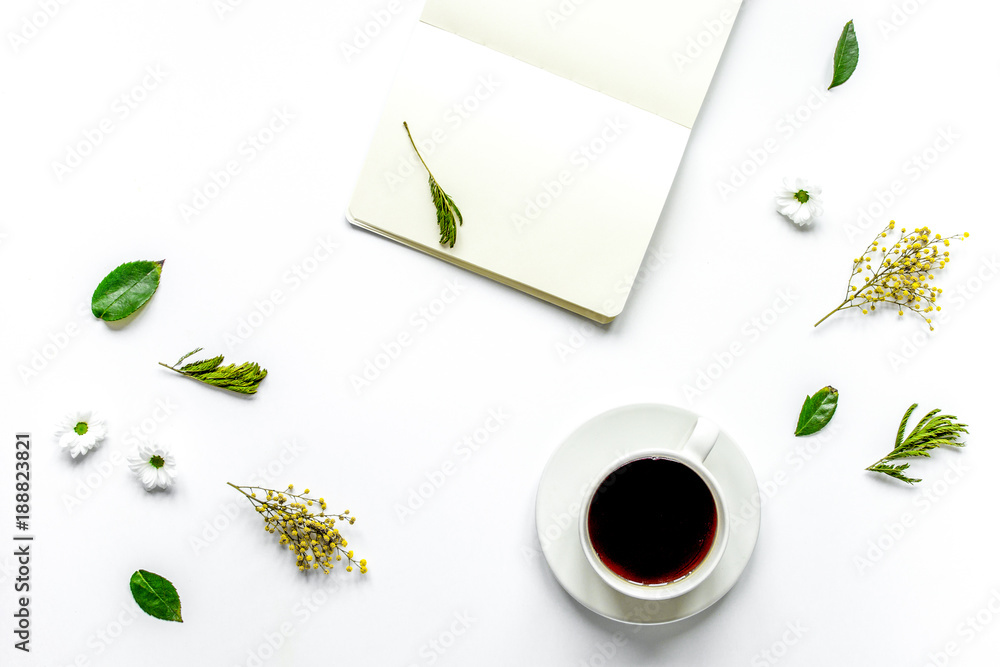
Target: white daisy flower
x,y
79,432
799,201
154,465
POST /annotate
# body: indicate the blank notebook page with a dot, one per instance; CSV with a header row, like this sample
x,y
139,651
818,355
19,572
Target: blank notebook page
x,y
623,48
560,180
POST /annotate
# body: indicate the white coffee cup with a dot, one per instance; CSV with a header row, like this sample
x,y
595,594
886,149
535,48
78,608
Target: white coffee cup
x,y
692,454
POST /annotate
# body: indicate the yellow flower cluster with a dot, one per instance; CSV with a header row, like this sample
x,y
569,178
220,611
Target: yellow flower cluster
x,y
314,538
902,275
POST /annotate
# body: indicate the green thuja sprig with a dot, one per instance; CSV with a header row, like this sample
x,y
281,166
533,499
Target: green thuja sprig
x,y
933,431
243,379
447,211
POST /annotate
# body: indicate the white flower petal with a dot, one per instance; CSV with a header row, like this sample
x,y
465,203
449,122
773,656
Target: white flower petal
x,y
801,216
151,476
148,478
799,212
74,443
791,209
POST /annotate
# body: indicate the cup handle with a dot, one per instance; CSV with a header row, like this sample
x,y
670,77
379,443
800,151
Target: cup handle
x,y
702,439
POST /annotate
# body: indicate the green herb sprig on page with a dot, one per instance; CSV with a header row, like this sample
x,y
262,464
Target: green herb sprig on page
x,y
243,379
933,431
448,215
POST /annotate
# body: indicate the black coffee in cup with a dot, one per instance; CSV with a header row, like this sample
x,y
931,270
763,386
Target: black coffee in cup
x,y
652,521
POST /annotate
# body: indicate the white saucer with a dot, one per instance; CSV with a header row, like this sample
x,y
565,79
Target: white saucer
x,y
584,454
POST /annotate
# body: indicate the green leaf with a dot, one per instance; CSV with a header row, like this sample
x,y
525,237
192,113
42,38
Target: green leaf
x,y
242,379
895,471
448,216
203,366
125,290
933,431
845,58
902,426
156,596
817,411
194,351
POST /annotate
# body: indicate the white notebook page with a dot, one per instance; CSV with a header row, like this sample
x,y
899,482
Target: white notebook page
x,y
582,244
659,55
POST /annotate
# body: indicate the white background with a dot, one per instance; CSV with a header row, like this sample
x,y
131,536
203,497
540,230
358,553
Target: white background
x,y
471,548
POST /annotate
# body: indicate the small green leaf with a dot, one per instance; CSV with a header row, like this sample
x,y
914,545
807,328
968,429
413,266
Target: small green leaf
x,y
156,596
194,351
845,58
243,379
933,431
817,411
125,290
448,216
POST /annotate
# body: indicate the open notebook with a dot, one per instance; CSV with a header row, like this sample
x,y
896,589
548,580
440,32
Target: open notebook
x,y
557,128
